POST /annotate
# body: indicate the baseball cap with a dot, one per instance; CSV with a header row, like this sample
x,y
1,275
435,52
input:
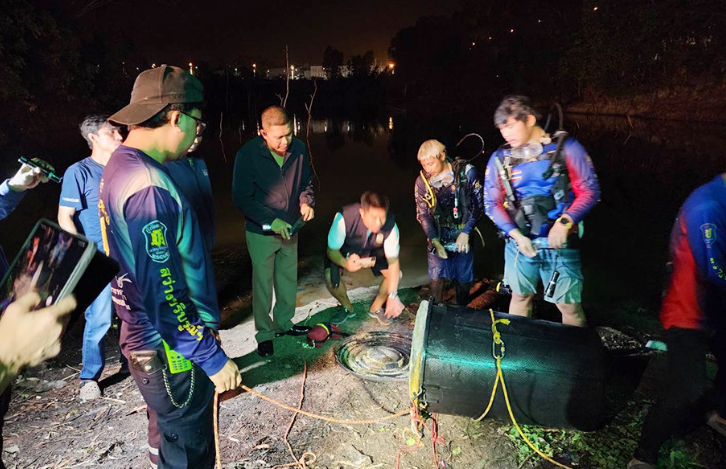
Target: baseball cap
x,y
154,89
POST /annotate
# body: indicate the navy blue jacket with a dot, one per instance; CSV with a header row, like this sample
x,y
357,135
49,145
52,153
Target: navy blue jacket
x,y
9,199
192,178
263,191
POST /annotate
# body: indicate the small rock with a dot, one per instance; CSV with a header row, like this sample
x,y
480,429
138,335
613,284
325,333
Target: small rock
x,y
349,453
11,449
44,386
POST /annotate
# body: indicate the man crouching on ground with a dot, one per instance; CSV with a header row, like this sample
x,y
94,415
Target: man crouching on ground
x,y
365,235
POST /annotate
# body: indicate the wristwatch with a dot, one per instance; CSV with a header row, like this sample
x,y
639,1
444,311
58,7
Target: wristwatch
x,y
565,221
393,295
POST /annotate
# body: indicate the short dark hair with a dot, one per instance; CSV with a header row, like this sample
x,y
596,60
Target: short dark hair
x,y
516,106
92,124
162,117
371,199
274,115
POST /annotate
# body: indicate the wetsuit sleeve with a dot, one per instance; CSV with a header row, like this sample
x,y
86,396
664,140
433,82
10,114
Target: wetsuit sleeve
x,y
72,191
243,188
476,192
423,213
392,244
494,197
152,216
336,235
582,179
9,199
307,196
707,240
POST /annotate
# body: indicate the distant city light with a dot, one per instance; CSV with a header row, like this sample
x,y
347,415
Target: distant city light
x,y
490,38
191,68
390,123
153,65
511,30
473,43
594,9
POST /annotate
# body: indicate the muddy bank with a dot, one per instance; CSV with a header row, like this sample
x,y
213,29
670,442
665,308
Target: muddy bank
x,y
697,103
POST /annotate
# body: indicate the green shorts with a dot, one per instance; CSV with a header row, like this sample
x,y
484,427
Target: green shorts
x,y
523,273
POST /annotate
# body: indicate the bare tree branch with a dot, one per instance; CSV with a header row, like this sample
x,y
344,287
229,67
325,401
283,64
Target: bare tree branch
x,y
287,76
309,108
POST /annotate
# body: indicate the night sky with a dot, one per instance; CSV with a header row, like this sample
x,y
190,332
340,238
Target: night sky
x,y
221,31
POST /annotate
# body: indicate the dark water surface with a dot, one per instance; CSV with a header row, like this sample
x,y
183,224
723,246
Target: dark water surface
x,y
646,169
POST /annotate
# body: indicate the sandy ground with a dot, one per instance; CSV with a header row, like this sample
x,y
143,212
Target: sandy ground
x,y
48,427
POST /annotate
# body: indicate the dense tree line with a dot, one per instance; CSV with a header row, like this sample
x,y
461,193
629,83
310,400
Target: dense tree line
x,y
54,67
562,48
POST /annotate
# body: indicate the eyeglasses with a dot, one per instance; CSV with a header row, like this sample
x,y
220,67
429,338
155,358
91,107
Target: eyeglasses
x,y
201,125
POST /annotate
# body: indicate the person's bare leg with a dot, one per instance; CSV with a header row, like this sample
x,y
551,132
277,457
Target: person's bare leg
x,y
339,293
572,314
382,294
521,305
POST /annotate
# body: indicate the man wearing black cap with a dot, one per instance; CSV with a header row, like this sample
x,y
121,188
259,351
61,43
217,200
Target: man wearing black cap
x,y
165,293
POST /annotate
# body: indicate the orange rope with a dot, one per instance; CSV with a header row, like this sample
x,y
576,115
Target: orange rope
x,y
298,462
322,417
434,430
216,429
303,461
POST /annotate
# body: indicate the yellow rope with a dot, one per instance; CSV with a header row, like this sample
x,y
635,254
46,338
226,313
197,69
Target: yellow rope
x,y
430,191
497,338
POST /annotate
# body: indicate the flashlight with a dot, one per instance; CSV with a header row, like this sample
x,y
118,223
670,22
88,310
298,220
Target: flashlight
x,y
550,290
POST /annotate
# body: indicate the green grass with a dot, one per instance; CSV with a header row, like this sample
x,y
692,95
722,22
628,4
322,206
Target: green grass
x,y
610,447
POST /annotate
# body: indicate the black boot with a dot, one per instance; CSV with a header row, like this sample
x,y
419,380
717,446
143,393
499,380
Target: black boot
x,y
436,289
462,293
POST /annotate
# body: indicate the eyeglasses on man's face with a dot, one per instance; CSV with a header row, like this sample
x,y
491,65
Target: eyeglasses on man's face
x,y
201,125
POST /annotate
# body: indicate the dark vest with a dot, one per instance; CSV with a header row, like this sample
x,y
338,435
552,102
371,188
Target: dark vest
x,y
445,218
356,241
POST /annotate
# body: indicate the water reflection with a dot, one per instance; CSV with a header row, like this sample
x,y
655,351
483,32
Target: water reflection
x,y
646,169
349,127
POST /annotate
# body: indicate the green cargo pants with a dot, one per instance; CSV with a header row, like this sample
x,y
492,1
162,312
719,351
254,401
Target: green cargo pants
x,y
274,262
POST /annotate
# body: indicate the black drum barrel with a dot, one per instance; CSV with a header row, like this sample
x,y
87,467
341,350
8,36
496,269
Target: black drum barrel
x,y
554,373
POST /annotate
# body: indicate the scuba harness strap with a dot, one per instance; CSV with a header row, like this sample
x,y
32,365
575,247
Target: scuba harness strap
x,y
458,167
530,213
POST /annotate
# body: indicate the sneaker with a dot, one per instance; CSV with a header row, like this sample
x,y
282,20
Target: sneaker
x,y
295,330
341,315
89,391
716,423
380,316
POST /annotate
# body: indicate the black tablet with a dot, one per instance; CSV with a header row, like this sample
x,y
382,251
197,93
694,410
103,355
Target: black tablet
x,y
55,263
